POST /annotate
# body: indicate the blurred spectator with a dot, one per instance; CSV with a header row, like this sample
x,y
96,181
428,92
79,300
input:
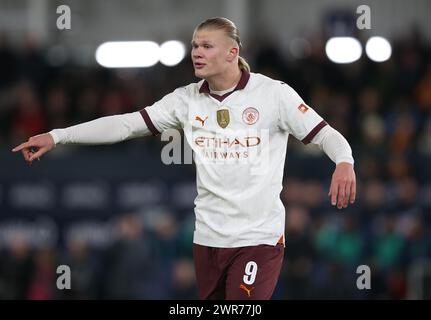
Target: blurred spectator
x,y
42,284
84,268
57,106
29,118
299,256
184,286
127,269
388,244
16,269
8,62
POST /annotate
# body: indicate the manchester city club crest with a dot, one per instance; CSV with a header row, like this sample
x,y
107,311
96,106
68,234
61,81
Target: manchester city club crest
x,y
250,116
223,117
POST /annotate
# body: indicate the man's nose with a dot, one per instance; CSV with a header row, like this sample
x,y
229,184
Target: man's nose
x,y
196,53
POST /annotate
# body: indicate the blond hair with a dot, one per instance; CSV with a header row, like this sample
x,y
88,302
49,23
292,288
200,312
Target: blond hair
x,y
231,31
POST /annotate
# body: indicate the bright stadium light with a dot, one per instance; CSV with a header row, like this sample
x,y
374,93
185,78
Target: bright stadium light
x,y
343,49
378,49
172,52
128,54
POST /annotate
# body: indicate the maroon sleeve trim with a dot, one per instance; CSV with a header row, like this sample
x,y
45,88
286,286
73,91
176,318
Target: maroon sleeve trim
x,y
149,123
313,132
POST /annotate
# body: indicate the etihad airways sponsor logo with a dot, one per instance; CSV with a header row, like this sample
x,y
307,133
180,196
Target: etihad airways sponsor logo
x,y
215,142
225,148
249,147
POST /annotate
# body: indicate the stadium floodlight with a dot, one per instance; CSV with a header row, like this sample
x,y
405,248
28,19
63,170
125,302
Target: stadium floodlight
x,y
378,49
128,54
172,52
343,49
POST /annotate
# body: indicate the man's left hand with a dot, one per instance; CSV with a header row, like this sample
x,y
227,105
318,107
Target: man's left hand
x,y
343,185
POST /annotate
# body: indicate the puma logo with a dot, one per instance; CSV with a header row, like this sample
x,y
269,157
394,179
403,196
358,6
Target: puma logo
x,y
247,290
200,119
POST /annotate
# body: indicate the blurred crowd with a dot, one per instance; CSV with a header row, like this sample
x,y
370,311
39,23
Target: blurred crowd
x,y
383,109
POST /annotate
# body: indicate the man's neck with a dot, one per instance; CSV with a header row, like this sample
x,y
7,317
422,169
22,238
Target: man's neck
x,y
225,81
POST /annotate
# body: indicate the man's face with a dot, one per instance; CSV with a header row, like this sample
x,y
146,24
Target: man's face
x,y
211,52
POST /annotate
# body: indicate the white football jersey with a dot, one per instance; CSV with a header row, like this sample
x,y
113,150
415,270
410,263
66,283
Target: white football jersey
x,y
239,142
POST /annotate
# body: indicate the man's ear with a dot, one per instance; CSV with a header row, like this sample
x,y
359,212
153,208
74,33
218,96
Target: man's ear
x,y
233,53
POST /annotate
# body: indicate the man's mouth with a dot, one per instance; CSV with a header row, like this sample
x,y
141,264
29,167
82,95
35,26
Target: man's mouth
x,y
199,65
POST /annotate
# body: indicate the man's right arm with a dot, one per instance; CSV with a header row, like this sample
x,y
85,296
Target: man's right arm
x,y
105,130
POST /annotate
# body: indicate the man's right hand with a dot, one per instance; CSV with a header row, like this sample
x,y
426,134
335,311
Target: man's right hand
x,y
35,147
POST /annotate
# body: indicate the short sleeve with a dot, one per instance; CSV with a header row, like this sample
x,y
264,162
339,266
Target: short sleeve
x,y
296,117
166,113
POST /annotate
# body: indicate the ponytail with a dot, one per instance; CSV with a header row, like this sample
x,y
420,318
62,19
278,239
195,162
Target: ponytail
x,y
243,64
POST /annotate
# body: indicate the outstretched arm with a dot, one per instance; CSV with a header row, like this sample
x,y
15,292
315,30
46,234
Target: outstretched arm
x,y
343,183
104,130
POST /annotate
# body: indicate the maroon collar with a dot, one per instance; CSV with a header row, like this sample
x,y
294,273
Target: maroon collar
x,y
205,88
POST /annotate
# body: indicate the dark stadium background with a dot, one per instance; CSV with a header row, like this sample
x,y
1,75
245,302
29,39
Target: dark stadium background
x,y
123,221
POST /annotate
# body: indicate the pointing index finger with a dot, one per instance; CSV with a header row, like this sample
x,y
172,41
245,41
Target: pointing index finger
x,y
21,146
